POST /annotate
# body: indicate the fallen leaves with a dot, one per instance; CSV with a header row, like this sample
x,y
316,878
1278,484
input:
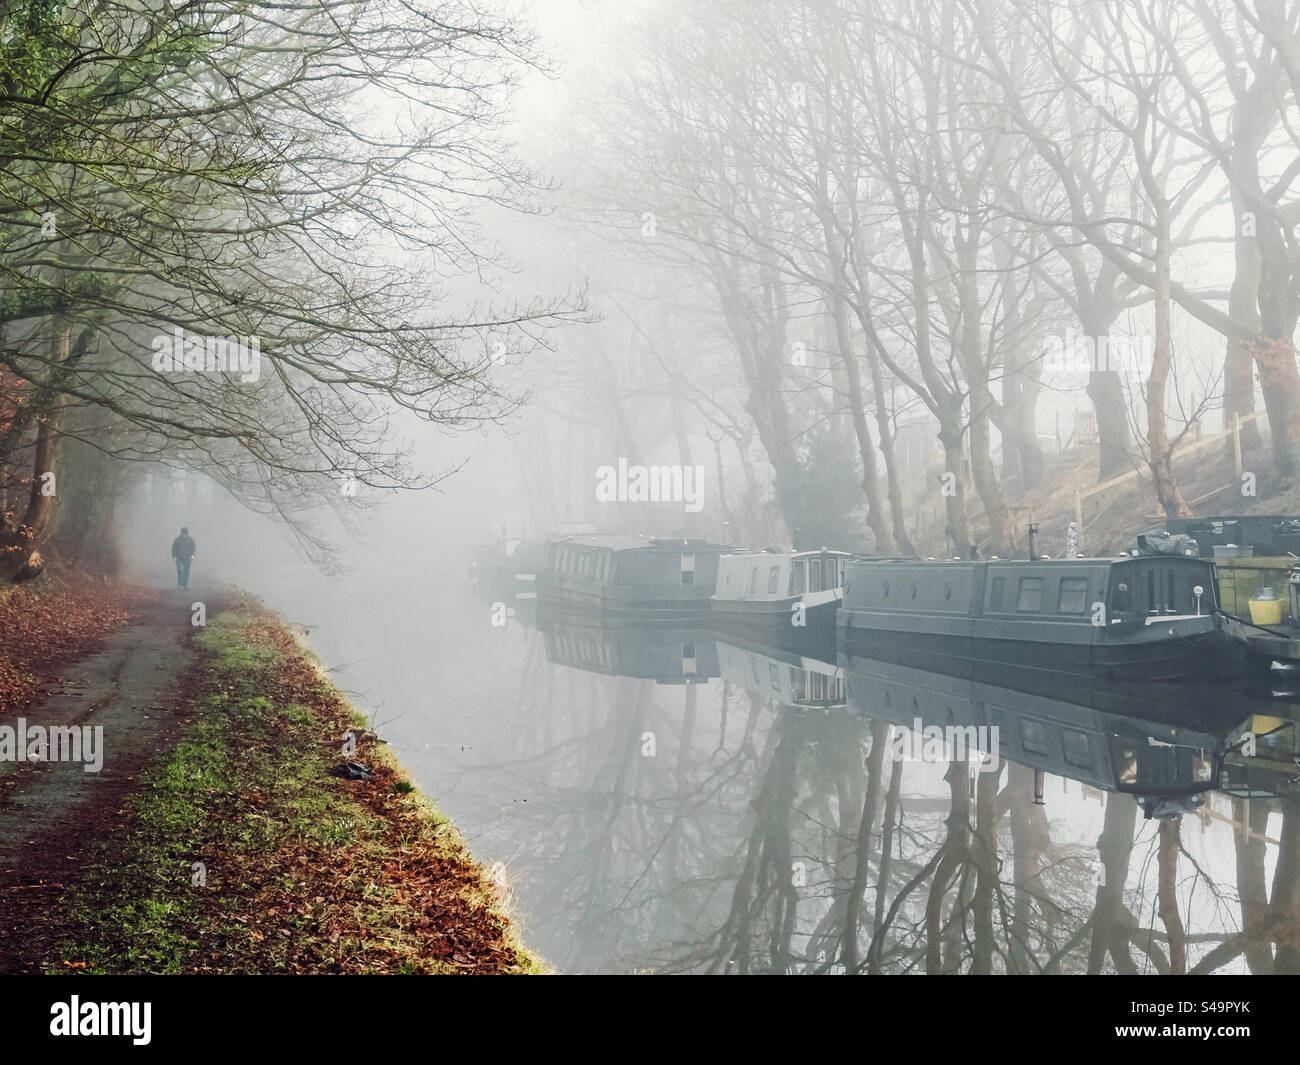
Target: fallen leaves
x,y
39,631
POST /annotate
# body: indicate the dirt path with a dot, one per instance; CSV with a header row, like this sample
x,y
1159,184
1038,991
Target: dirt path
x,y
51,811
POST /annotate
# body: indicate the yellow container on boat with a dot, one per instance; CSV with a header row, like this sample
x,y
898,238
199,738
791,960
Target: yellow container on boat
x,y
1266,611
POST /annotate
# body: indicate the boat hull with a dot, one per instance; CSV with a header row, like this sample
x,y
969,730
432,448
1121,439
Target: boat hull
x,y
582,601
1195,649
773,621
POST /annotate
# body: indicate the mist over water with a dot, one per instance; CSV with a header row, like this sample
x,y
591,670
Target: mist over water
x,y
885,280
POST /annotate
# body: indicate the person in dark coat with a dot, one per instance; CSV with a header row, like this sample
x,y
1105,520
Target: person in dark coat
x,y
183,551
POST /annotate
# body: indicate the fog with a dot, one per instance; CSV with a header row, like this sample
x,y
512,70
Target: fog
x,y
894,280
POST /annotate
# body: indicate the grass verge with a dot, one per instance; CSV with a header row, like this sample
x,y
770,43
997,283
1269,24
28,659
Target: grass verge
x,y
240,853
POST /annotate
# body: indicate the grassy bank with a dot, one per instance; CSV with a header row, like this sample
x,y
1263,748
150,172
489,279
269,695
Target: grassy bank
x,y
301,871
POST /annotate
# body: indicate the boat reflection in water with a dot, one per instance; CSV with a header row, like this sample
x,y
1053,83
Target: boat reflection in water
x,y
663,655
786,677
1159,746
778,822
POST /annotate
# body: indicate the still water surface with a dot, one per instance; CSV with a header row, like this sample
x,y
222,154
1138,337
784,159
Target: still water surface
x,y
685,802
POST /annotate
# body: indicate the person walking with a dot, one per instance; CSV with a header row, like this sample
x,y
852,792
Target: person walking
x,y
183,551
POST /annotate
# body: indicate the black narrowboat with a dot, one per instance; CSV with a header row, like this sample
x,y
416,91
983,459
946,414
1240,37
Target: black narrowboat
x,y
1151,618
781,596
630,579
1272,535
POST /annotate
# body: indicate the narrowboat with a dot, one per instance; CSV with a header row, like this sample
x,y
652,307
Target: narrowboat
x,y
1166,748
1150,618
1271,535
780,596
507,568
630,579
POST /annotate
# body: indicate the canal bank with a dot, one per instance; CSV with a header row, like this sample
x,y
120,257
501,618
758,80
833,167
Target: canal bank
x,y
235,849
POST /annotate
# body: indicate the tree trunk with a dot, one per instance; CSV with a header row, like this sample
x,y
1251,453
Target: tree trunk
x,y
1169,494
1167,862
876,517
954,501
1107,394
985,475
1280,383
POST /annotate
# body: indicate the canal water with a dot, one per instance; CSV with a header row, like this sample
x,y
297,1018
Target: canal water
x,y
678,801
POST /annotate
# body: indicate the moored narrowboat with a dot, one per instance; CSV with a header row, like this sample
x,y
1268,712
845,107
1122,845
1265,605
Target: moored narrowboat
x,y
629,578
786,596
1153,617
507,568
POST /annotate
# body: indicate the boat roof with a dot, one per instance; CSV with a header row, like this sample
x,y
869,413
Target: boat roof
x,y
631,542
774,552
1099,559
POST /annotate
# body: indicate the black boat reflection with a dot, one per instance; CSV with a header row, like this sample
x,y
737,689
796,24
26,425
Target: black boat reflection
x,y
664,655
1163,744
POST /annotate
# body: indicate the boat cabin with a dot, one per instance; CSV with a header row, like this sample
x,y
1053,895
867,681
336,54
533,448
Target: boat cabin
x,y
634,561
775,575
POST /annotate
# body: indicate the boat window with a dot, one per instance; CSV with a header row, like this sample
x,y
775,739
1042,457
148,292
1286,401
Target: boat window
x,y
798,574
1073,597
1029,596
1033,736
1075,745
753,580
885,586
1121,600
688,569
839,572
914,589
947,589
1170,598
773,575
774,671
995,594
814,575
